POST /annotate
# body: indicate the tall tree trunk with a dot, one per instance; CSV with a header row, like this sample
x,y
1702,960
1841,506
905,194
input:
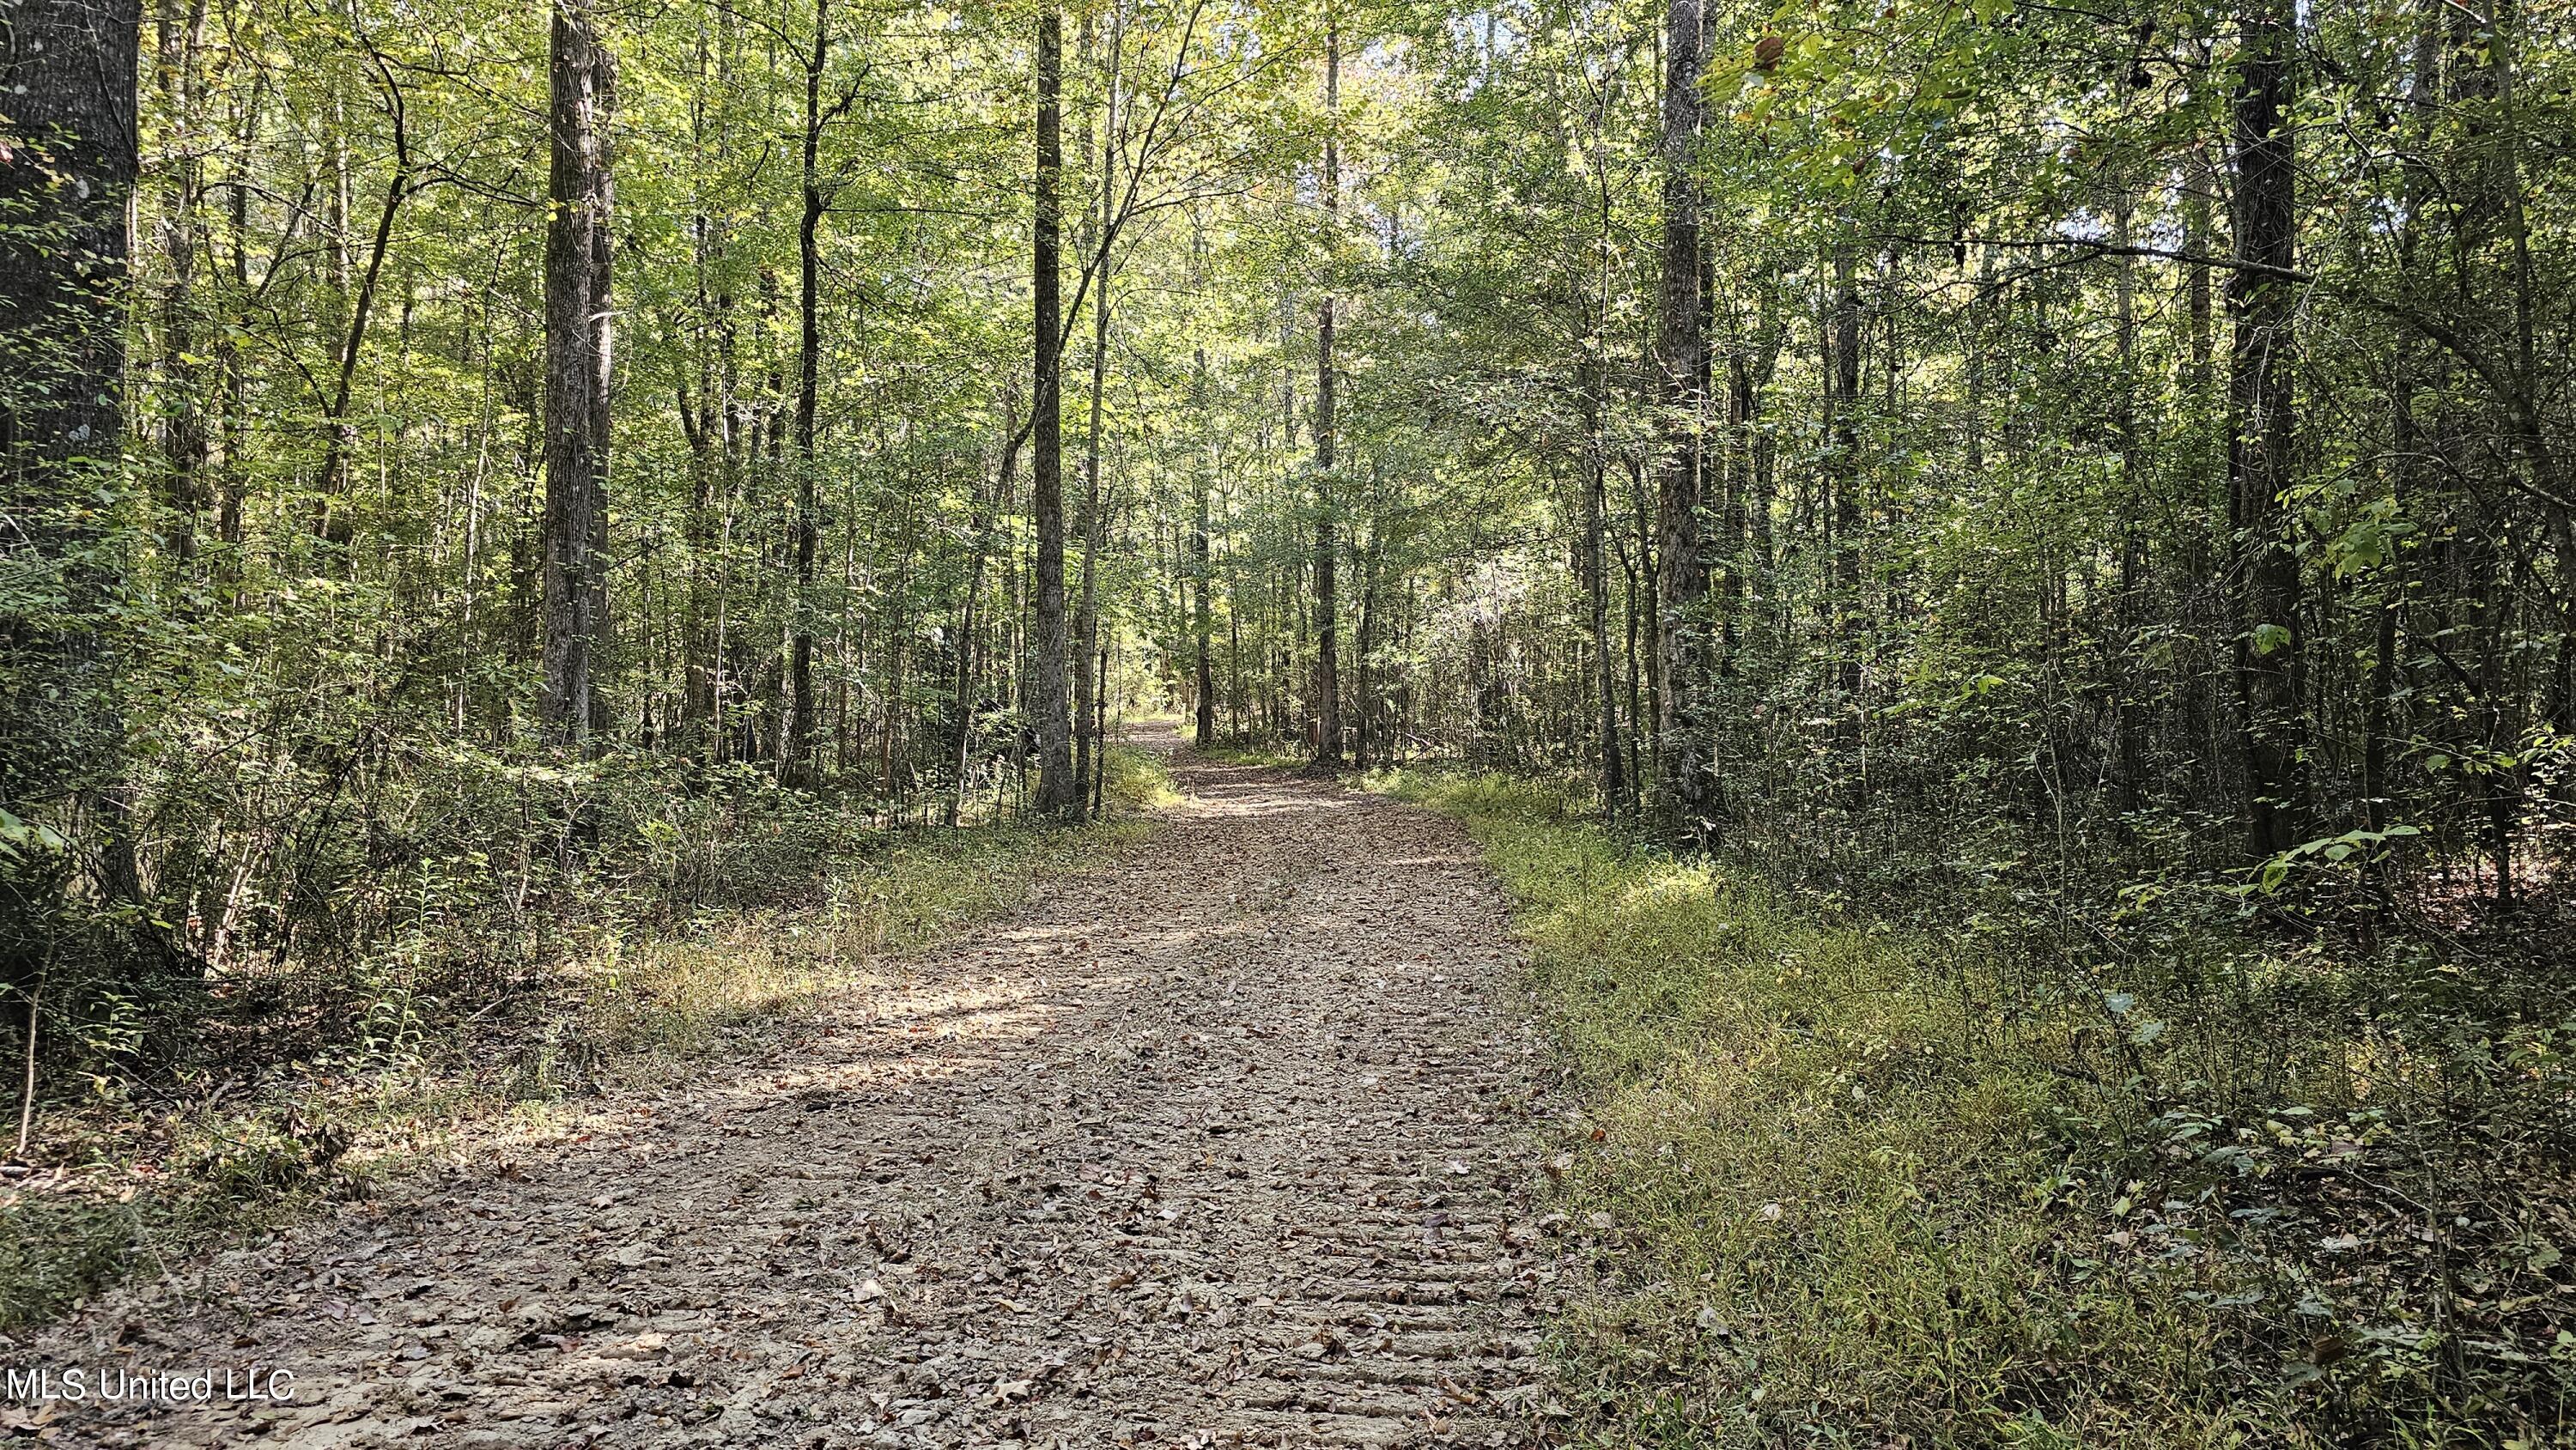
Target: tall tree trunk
x,y
1363,704
1058,791
2262,437
1088,685
1683,781
1762,447
189,441
1328,682
2130,681
721,427
1849,607
795,763
1615,778
1200,575
231,475
67,106
2202,609
1596,582
582,93
712,487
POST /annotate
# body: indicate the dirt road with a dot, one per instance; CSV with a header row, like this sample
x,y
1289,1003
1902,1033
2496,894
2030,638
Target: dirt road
x,y
1206,1146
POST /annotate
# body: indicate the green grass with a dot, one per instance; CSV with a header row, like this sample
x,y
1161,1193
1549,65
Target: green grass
x,y
1824,1202
133,1188
1277,754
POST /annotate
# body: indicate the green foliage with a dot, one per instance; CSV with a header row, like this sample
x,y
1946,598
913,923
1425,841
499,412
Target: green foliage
x,y
690,924
1843,1181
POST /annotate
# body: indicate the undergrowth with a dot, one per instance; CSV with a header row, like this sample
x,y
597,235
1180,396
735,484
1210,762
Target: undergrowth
x,y
1836,1181
141,1169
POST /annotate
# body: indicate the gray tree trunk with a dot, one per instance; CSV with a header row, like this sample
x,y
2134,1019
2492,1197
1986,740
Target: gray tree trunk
x,y
67,93
575,526
1328,677
1058,792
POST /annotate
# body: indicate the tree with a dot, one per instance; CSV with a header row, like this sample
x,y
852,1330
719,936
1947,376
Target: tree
x,y
1090,687
68,166
1327,691
1059,792
814,197
579,329
2262,438
1681,362
1202,577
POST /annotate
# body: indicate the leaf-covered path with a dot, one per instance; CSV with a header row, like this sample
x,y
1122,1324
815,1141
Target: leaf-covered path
x,y
1210,1145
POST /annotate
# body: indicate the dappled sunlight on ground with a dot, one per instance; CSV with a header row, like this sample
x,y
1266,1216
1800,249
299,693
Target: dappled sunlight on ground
x,y
1205,1147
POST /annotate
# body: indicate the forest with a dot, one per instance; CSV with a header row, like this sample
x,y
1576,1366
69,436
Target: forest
x,y
1993,577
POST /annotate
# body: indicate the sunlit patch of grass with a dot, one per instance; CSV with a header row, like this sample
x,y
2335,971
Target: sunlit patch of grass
x,y
1275,754
1139,779
677,994
1813,1191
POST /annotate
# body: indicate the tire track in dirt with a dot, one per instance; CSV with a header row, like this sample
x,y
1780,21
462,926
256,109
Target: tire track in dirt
x,y
1211,1145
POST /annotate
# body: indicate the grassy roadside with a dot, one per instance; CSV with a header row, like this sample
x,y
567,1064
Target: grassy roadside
x,y
132,1181
1827,1194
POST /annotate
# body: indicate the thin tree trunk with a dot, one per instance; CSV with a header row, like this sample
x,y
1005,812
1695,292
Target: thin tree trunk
x,y
1200,577
979,528
1363,705
1843,385
1614,780
1100,729
2130,676
334,524
1328,684
1087,684
1683,780
188,444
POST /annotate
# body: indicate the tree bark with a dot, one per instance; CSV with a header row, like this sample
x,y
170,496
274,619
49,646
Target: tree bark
x,y
67,172
2262,437
795,765
1364,702
578,335
2131,670
1328,683
1200,575
1058,791
1088,684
